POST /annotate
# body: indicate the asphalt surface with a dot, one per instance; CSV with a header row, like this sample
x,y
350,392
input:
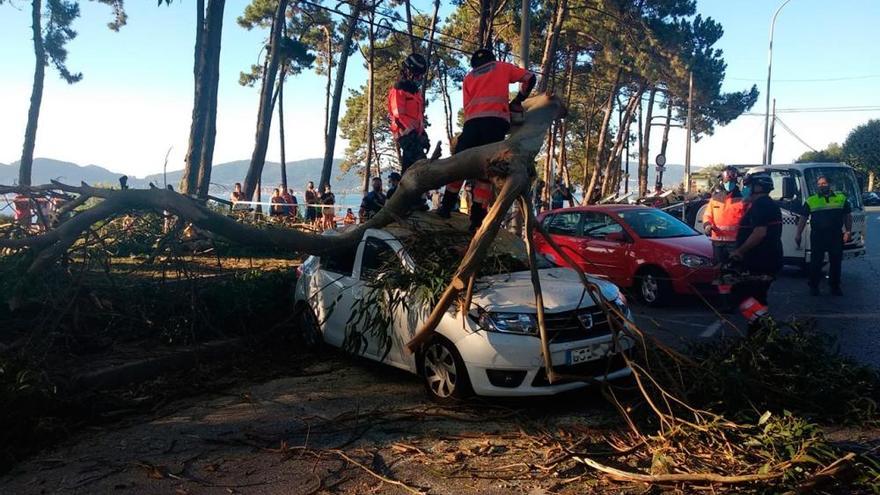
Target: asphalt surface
x,y
854,318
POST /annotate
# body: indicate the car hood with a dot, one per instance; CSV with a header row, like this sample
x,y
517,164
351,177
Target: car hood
x,y
696,244
561,287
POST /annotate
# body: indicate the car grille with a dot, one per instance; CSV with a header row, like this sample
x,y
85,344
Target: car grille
x,y
576,325
591,369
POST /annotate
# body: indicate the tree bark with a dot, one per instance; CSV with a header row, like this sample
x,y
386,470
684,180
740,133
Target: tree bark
x,y
644,148
264,116
550,45
329,49
212,72
484,29
281,129
30,132
413,44
333,121
370,100
612,176
871,175
588,141
603,132
447,106
659,182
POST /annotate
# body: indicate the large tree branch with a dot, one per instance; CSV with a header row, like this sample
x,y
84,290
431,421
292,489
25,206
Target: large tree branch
x,y
515,155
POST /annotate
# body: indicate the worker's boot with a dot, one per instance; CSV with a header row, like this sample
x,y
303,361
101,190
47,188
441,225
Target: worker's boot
x,y
447,204
478,213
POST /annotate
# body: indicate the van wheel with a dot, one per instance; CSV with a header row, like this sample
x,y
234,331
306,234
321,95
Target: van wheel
x,y
654,288
444,373
309,329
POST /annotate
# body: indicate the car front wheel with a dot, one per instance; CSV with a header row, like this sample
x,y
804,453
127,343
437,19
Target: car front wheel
x,y
443,370
654,288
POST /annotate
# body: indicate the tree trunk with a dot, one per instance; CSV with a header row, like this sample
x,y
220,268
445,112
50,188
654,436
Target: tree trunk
x,y
370,102
645,147
281,129
659,182
333,121
612,176
30,133
586,166
484,30
549,57
447,106
264,116
871,174
428,77
329,49
563,149
211,75
589,194
413,44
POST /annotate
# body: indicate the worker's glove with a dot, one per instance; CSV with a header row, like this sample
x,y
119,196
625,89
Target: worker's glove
x,y
516,106
707,229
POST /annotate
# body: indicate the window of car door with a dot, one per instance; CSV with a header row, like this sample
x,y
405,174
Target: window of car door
x,y
566,224
377,254
598,225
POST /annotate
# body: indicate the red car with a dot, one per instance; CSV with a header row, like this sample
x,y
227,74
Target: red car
x,y
633,246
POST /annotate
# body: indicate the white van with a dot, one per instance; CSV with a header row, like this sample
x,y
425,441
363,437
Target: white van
x,y
793,183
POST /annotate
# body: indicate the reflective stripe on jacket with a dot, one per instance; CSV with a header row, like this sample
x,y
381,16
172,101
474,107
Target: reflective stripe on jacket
x,y
724,212
486,89
406,111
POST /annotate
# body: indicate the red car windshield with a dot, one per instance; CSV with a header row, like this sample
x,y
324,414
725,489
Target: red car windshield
x,y
656,224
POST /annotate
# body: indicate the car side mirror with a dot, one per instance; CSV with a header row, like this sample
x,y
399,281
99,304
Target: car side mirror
x,y
789,189
617,237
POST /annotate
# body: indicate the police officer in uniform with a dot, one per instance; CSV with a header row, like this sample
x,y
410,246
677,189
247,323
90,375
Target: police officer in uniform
x,y
486,120
830,228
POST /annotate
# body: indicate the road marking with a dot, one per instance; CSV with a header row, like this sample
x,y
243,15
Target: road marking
x,y
712,329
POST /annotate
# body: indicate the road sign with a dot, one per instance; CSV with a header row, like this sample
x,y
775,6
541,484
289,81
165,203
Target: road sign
x,y
660,160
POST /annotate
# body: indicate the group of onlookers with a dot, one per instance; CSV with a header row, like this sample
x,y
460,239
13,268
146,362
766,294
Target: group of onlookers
x,y
319,208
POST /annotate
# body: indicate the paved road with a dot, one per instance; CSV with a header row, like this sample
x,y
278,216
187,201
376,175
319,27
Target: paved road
x,y
854,318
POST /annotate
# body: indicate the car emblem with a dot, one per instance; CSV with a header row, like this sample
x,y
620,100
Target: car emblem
x,y
586,320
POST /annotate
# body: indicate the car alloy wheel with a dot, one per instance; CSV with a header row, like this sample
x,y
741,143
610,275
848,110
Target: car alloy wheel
x,y
650,288
444,373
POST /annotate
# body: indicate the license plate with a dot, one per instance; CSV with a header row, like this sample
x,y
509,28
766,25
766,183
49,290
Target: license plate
x,y
584,354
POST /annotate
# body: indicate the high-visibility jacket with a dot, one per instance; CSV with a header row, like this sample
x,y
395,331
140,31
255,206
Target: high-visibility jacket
x,y
723,213
22,208
827,213
406,108
486,92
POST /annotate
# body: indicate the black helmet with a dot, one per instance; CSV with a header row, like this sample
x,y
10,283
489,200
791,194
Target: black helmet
x,y
482,56
416,64
762,179
729,173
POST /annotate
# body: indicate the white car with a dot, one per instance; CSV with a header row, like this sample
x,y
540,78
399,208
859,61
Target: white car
x,y
494,349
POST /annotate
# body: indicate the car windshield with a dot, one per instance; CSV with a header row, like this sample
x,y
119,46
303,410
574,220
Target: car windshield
x,y
650,223
841,179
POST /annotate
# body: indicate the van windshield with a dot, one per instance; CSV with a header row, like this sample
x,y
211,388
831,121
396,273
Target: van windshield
x,y
842,179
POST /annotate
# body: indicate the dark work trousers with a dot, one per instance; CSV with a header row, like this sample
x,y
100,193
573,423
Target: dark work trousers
x,y
411,150
759,289
822,242
721,250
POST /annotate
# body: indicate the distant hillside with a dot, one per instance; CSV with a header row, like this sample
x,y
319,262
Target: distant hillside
x,y
223,175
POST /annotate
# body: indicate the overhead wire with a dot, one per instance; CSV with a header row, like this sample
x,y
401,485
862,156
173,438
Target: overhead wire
x,y
790,131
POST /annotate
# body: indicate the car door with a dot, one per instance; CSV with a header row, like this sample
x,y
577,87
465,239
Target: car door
x,y
369,323
563,227
603,246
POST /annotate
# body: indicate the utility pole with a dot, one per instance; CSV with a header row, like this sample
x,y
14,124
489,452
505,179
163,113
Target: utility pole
x,y
524,32
687,150
772,126
767,93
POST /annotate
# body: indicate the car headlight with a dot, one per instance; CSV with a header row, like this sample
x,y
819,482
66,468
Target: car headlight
x,y
694,260
515,323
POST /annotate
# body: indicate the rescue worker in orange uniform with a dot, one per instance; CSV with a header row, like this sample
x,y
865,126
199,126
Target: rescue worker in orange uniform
x,y
406,109
723,214
486,120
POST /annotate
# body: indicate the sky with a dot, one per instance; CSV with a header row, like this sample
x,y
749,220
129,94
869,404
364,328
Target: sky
x,y
135,100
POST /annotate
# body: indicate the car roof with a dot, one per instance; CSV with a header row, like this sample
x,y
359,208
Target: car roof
x,y
613,208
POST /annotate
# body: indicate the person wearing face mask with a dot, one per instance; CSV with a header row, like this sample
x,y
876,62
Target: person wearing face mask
x,y
723,214
830,228
758,250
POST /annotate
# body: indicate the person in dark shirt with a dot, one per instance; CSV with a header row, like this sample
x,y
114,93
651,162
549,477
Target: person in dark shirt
x,y
758,247
830,228
394,180
373,201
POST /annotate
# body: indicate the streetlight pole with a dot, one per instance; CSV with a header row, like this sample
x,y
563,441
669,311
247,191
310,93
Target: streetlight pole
x,y
766,159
